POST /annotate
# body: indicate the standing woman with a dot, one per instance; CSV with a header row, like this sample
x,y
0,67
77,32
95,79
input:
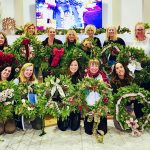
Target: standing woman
x,y
29,29
93,71
3,41
71,40
73,121
141,41
51,40
90,30
111,37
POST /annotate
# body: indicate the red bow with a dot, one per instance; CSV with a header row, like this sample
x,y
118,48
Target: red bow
x,y
26,43
57,54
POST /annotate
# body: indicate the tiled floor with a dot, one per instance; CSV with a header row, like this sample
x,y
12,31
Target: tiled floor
x,y
73,140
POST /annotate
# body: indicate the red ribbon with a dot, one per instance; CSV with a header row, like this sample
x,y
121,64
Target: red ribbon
x,y
57,54
26,43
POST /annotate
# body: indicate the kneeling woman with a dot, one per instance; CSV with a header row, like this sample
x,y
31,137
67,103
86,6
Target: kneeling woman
x,y
8,126
94,72
27,76
73,121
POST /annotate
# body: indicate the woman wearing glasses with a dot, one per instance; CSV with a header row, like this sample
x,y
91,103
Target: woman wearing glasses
x,y
141,41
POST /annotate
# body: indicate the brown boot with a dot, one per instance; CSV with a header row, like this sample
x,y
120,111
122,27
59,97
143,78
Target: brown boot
x,y
1,127
10,126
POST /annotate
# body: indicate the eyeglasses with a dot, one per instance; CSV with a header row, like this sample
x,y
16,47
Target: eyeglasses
x,y
140,29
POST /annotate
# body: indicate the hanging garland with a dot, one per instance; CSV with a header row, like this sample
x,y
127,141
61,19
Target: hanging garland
x,y
64,88
126,120
80,99
27,49
6,100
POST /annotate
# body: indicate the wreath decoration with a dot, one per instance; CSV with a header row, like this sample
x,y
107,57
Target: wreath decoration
x,y
59,89
89,86
127,120
27,49
127,54
92,51
54,55
6,100
113,50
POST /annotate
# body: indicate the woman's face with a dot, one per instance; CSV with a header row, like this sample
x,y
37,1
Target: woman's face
x,y
6,73
2,39
139,31
28,72
71,37
51,33
74,67
111,32
120,71
90,33
94,68
31,30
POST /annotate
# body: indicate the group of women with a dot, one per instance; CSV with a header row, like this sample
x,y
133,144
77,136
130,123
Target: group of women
x,y
120,76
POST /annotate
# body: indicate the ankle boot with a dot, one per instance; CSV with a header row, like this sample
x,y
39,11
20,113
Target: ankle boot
x,y
10,126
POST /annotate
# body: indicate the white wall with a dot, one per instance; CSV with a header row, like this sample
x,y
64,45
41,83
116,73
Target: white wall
x,y
131,12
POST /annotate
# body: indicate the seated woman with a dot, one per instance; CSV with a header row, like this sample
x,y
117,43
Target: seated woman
x,y
71,40
30,29
27,76
93,71
73,121
6,73
121,78
3,41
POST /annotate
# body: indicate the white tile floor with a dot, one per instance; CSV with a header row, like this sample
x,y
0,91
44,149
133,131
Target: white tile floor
x,y
73,140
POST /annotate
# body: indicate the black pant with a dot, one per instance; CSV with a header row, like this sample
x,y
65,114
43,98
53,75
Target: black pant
x,y
88,126
73,121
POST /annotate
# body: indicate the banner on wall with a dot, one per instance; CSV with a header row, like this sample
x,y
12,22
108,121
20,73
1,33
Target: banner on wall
x,y
65,14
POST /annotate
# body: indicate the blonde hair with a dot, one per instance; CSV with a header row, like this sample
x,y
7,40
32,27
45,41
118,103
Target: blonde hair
x,y
76,36
26,27
21,75
94,61
139,24
107,34
90,26
49,28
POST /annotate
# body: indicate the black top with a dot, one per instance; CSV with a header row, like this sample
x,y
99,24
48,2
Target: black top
x,y
1,47
118,41
97,42
75,78
56,41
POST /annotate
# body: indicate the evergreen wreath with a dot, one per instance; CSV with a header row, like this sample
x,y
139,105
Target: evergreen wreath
x,y
27,49
64,88
128,53
110,49
54,55
101,106
128,121
6,100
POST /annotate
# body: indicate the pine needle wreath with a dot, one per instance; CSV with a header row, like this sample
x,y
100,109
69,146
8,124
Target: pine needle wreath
x,y
126,120
6,100
27,49
64,87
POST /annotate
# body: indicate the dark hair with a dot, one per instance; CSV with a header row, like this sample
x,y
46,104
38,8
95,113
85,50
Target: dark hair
x,y
11,74
5,41
116,79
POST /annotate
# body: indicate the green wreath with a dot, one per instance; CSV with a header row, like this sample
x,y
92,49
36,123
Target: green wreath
x,y
101,106
105,54
55,54
63,88
28,49
6,100
127,120
129,53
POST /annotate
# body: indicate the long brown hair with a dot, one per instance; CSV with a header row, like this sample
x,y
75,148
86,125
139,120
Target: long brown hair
x,y
5,39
